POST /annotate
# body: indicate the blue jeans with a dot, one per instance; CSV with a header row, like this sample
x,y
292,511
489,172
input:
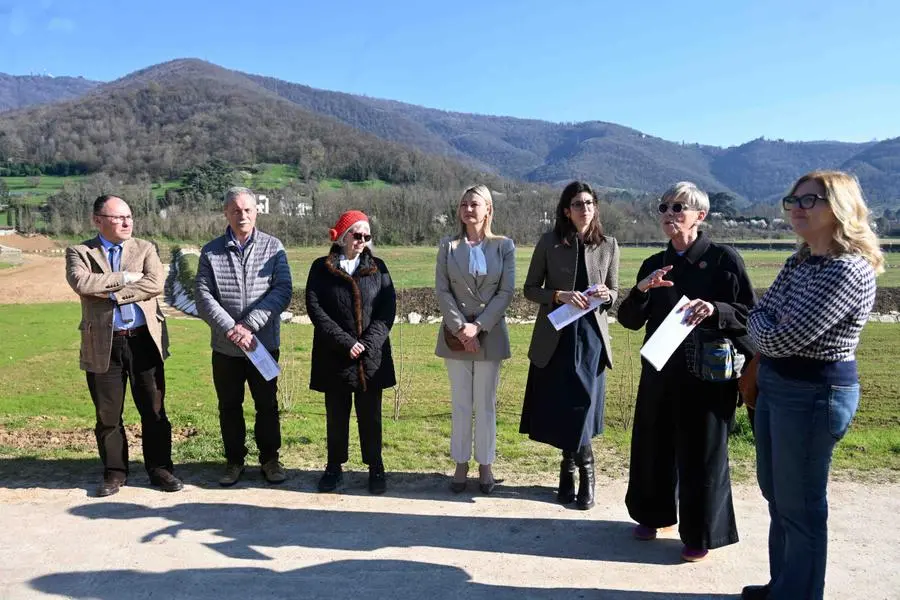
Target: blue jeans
x,y
798,424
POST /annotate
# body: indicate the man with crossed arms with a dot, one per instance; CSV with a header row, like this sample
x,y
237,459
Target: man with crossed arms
x,y
123,339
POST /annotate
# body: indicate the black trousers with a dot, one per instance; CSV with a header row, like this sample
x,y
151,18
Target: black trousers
x,y
368,418
133,360
680,440
230,373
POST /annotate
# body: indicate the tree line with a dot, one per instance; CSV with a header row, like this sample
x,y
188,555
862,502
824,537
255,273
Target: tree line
x,y
302,212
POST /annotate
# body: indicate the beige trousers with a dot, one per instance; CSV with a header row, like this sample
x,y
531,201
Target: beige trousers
x,y
473,388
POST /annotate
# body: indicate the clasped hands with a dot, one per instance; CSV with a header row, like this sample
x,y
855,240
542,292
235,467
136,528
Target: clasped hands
x,y
695,311
241,337
468,335
581,300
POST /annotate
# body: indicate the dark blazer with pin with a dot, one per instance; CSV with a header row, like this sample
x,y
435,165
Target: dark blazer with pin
x,y
90,275
554,267
483,299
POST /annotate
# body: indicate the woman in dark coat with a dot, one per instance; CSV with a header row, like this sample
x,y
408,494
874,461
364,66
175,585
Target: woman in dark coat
x,y
351,302
680,440
566,388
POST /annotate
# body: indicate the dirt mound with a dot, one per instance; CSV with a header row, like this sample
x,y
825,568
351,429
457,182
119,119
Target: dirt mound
x,y
39,279
29,243
75,439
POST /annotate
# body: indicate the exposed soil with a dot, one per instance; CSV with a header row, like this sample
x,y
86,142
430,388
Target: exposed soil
x,y
32,438
30,243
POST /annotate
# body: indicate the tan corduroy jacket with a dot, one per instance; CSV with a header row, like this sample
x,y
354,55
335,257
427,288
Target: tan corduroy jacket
x,y
90,275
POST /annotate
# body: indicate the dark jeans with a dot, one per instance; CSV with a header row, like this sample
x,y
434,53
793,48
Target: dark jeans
x,y
368,418
680,442
230,373
798,424
134,360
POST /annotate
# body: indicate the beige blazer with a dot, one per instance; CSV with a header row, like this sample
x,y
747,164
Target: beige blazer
x,y
484,299
552,269
90,275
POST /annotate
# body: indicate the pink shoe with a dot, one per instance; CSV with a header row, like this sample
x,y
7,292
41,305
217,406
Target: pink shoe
x,y
693,554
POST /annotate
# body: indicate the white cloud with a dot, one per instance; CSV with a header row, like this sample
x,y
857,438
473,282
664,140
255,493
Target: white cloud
x,y
61,24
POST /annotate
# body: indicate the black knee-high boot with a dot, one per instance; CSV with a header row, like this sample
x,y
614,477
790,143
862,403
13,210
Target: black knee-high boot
x,y
584,458
566,492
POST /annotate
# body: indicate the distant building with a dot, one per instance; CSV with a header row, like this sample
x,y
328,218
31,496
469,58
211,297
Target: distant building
x,y
262,204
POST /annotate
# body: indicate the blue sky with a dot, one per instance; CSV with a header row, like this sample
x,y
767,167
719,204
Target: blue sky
x,y
719,72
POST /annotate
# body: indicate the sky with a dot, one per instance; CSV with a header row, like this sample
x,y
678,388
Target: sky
x,y
719,72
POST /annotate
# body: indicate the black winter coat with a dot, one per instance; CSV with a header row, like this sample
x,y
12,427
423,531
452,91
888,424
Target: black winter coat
x,y
345,310
710,271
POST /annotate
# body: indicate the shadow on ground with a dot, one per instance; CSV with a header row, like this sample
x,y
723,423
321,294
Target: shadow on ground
x,y
246,527
339,580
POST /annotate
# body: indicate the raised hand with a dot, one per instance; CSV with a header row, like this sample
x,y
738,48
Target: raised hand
x,y
655,279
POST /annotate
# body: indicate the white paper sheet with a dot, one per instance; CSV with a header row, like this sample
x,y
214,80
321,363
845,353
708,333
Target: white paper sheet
x,y
263,361
567,313
668,336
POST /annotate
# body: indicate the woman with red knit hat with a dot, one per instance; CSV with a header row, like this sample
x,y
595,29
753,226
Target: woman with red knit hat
x,y
351,302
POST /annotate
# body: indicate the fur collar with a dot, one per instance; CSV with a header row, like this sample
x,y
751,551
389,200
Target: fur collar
x,y
367,264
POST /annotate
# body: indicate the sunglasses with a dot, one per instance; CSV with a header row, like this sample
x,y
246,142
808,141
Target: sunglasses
x,y
361,237
676,207
582,204
806,201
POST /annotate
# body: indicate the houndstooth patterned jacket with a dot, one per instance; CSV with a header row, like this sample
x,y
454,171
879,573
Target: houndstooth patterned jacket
x,y
816,308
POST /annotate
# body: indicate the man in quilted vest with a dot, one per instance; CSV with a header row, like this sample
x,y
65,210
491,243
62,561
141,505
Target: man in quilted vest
x,y
243,285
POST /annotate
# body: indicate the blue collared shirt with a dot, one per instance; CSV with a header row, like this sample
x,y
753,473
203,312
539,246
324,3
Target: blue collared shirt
x,y
234,239
118,322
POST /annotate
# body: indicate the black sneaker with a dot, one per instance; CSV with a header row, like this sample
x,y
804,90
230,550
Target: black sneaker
x,y
377,481
331,478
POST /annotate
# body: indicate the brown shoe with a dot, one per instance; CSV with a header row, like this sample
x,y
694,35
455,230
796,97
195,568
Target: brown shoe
x,y
164,480
110,485
273,471
232,475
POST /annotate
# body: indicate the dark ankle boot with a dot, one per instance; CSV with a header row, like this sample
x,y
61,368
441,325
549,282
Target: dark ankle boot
x,y
566,491
584,458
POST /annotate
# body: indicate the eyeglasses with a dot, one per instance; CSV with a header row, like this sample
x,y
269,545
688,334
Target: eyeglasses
x,y
582,204
676,207
361,237
806,201
119,218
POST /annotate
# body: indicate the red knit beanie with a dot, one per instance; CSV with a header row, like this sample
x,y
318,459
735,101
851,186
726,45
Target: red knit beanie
x,y
345,222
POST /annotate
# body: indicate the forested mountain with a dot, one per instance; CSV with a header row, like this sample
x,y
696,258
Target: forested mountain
x,y
878,167
21,91
163,119
181,113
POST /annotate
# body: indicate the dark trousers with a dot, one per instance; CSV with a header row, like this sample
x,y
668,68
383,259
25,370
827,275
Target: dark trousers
x,y
230,373
368,417
133,360
680,441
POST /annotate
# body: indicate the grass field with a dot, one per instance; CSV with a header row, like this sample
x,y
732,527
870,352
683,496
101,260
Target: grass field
x,y
42,388
270,176
49,184
414,266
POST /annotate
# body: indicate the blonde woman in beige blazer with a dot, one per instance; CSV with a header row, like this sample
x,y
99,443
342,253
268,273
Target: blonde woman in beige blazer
x,y
566,389
475,278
